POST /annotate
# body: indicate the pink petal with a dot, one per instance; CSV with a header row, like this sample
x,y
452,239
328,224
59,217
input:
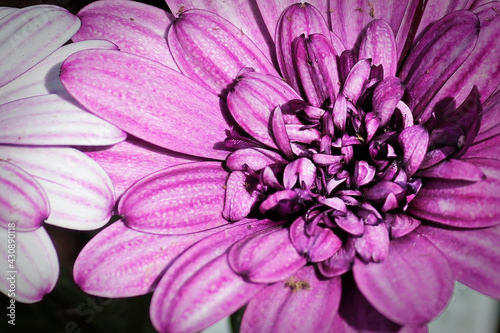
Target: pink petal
x,y
80,194
43,78
36,266
489,118
280,133
240,197
212,51
412,285
473,254
265,257
414,141
147,100
454,169
301,170
26,206
356,80
199,288
373,245
241,13
31,34
122,262
378,44
304,303
385,98
134,27
340,262
54,120
254,158
182,199
253,99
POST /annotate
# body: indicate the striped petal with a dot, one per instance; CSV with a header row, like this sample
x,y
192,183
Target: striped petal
x,y
26,206
179,200
378,44
43,78
148,100
134,27
212,51
80,193
31,34
54,120
36,266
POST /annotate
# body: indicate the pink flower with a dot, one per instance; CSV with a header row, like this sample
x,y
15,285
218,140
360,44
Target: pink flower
x,y
345,195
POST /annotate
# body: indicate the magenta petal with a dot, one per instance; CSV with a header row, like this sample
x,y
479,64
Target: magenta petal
x,y
340,262
200,280
458,203
378,44
121,262
252,101
26,206
265,257
280,133
153,106
437,55
301,170
296,20
490,126
134,27
412,285
385,98
473,254
254,158
169,201
401,224
316,65
356,80
454,169
212,51
373,245
304,304
413,140
239,198
320,245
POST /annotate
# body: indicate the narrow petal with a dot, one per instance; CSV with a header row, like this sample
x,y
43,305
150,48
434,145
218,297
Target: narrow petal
x,y
175,123
80,193
481,68
253,99
385,98
122,262
191,295
454,169
489,118
134,27
27,205
242,13
296,20
316,64
378,44
280,133
54,120
414,141
356,80
43,78
31,34
265,257
4,11
485,149
170,201
340,262
212,51
458,203
254,158
412,285
301,170
240,197
373,245
473,254
452,38
304,304
36,266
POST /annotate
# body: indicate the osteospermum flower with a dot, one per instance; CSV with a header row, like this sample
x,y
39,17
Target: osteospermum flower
x,y
42,179
345,194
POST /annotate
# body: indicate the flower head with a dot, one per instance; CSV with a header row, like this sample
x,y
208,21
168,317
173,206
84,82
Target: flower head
x,y
41,178
347,187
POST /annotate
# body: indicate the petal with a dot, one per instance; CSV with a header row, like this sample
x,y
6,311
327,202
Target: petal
x,y
378,44
306,305
43,78
265,257
80,193
301,170
54,120
414,141
454,169
473,254
458,203
27,205
489,118
253,99
356,80
31,34
191,295
412,285
296,20
254,158
280,134
401,224
481,68
212,51
340,262
146,99
240,197
36,266
122,262
241,13
134,27
182,199
373,245
437,55
385,98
